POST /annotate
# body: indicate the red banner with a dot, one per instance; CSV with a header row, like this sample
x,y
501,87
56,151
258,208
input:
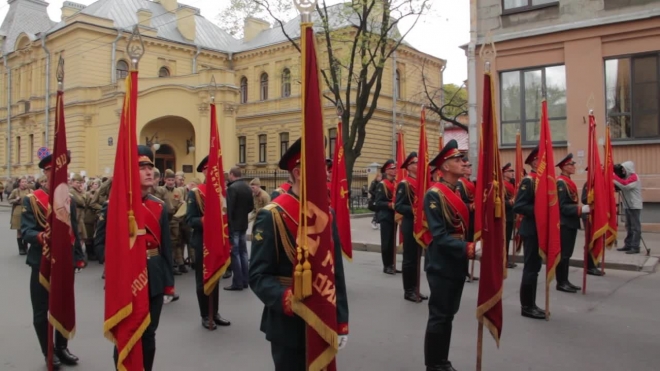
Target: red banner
x,y
217,246
420,226
314,277
56,269
339,196
546,202
126,277
608,176
517,240
596,197
490,220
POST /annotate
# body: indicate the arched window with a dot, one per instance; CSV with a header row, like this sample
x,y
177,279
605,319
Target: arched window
x,y
122,69
397,85
244,89
164,72
286,83
263,86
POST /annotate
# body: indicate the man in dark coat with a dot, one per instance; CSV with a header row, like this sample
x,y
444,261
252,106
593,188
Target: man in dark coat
x,y
34,222
385,215
159,252
239,206
509,196
272,267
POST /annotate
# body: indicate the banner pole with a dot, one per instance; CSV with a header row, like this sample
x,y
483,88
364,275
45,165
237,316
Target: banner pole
x,y
602,261
480,344
50,346
211,311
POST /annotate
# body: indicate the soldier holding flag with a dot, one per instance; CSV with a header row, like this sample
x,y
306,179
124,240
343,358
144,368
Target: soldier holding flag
x,y
385,206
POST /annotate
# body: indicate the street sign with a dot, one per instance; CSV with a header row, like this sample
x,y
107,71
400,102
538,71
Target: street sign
x,y
42,153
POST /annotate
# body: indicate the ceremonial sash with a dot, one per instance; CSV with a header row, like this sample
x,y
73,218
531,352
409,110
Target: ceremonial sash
x,y
200,193
287,220
510,189
152,219
389,187
469,188
570,185
456,203
42,200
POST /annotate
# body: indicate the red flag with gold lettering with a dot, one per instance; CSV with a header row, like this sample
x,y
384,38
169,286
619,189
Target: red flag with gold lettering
x,y
420,226
217,244
314,277
339,196
596,197
489,220
56,269
608,175
546,202
126,278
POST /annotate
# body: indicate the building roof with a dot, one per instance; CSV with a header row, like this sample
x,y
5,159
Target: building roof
x,y
24,16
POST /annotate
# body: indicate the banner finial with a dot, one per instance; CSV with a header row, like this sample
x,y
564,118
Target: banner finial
x,y
135,47
60,72
305,7
488,51
213,87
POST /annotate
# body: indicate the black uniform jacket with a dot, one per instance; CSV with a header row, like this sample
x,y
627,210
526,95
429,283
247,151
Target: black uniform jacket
x,y
384,196
33,222
524,205
271,272
569,211
159,267
405,197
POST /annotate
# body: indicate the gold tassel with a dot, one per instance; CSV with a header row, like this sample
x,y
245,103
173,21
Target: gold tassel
x,y
590,198
498,200
298,277
132,225
307,277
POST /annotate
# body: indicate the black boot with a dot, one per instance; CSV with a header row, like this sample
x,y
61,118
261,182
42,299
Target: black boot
x,y
66,357
22,246
411,296
436,349
56,362
148,356
528,307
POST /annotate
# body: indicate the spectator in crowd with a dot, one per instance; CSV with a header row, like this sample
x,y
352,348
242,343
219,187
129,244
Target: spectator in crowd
x,y
631,189
239,206
260,197
372,197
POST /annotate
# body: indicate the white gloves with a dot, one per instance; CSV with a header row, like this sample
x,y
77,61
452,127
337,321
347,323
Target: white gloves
x,y
342,340
585,209
167,299
477,250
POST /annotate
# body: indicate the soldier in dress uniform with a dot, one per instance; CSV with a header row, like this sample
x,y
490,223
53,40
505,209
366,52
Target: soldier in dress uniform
x,y
466,189
412,251
524,205
174,198
592,270
80,197
34,222
15,199
448,255
570,212
509,196
184,228
385,215
195,219
159,252
271,271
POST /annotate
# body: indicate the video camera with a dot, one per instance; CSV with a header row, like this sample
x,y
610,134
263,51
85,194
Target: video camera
x,y
619,171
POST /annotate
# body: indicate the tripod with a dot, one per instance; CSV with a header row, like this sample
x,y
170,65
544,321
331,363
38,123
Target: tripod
x,y
622,197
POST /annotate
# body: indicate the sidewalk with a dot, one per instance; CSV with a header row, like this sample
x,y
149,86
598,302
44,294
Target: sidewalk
x,y
365,238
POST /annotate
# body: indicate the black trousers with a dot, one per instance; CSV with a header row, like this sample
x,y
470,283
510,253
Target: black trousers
x,y
509,237
533,261
39,299
387,240
568,237
149,336
444,302
203,299
288,359
411,256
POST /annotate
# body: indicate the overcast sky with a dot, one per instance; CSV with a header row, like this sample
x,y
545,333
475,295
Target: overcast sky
x,y
440,33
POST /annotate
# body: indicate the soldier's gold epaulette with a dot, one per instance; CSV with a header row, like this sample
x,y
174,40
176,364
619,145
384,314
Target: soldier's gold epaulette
x,y
270,206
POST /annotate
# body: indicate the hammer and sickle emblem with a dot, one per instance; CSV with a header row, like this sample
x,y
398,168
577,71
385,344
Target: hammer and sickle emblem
x,y
321,220
344,192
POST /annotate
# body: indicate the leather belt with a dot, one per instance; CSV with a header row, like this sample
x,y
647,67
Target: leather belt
x,y
458,236
152,252
285,281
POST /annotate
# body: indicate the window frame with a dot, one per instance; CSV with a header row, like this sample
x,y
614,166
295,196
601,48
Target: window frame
x,y
526,8
167,72
332,142
286,83
523,108
243,89
397,84
18,149
242,149
121,74
631,113
284,144
263,148
31,148
263,86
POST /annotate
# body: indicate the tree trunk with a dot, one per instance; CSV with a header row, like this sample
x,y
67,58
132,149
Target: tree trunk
x,y
350,158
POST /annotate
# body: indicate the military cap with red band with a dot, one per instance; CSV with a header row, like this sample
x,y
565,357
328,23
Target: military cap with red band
x,y
532,156
506,167
389,165
450,150
411,159
47,162
203,164
565,161
145,155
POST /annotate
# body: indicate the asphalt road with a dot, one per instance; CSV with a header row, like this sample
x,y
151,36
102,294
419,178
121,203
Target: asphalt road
x,y
614,327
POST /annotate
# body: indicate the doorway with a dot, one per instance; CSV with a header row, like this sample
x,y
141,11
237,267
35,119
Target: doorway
x,y
165,159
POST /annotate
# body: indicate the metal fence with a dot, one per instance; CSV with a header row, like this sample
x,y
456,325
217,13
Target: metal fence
x,y
271,179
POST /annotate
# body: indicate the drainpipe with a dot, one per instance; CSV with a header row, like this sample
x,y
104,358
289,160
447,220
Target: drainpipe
x,y
472,87
231,60
113,56
395,98
47,103
194,66
4,58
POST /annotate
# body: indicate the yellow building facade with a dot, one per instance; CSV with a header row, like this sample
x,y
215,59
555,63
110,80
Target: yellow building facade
x,y
257,89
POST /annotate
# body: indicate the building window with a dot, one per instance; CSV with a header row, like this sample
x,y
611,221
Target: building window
x,y
521,95
122,70
397,85
332,134
284,143
518,5
163,72
244,89
18,150
262,148
31,148
263,87
286,83
241,150
633,95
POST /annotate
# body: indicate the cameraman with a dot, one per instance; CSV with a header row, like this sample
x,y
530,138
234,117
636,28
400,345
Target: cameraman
x,y
627,181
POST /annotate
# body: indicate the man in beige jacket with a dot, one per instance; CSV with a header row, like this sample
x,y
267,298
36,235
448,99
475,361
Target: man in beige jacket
x,y
260,197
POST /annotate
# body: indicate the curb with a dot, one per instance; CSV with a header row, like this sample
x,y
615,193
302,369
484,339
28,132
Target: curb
x,y
363,215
